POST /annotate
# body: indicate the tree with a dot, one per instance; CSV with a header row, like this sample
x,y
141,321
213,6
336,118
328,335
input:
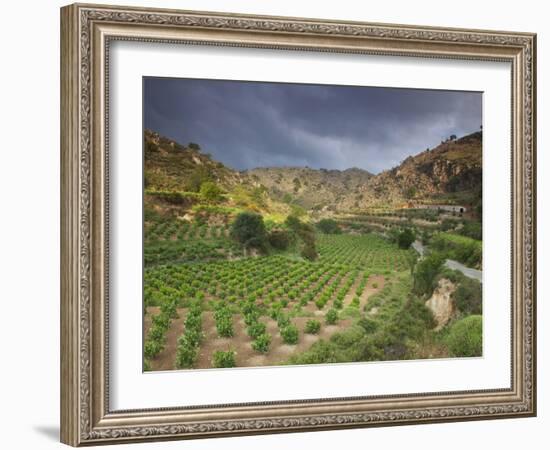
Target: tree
x,y
412,259
328,226
405,238
307,235
210,191
426,271
293,223
465,337
197,177
309,251
249,229
279,239
194,146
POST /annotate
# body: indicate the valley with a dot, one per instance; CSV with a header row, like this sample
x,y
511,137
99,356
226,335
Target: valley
x,y
296,265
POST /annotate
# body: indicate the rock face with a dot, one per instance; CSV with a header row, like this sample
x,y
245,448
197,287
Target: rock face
x,y
312,188
441,304
454,166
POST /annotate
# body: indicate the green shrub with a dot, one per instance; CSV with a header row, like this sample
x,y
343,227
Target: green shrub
x,y
193,321
279,239
210,191
331,317
249,230
186,354
328,226
372,349
251,318
261,343
256,329
348,337
282,320
448,224
309,251
156,333
307,235
223,359
152,348
193,336
472,230
425,273
405,238
464,249
197,177
465,337
467,296
146,365
412,322
289,334
224,325
313,326
321,352
369,325
275,310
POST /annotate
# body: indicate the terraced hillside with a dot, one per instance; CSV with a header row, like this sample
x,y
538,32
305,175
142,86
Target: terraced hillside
x,y
302,266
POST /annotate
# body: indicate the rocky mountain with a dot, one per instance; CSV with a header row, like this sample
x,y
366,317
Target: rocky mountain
x,y
310,188
443,173
170,166
450,172
174,175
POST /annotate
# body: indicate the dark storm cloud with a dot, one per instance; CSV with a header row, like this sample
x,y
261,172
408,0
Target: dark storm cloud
x,y
250,124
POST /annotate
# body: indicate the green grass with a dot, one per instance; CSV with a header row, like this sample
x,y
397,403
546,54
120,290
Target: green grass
x,y
465,337
461,248
185,270
393,332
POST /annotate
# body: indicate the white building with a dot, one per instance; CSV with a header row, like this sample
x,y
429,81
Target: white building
x,y
449,208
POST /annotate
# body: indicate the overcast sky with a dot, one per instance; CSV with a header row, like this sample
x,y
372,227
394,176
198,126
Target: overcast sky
x,y
252,124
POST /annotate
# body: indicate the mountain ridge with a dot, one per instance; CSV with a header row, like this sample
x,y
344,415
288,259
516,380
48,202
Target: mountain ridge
x,y
449,173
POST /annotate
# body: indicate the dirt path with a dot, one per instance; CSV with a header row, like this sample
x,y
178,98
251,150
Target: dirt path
x,y
370,290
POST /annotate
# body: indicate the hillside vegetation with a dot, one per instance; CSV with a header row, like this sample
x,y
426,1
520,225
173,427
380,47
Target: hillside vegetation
x,y
451,173
286,265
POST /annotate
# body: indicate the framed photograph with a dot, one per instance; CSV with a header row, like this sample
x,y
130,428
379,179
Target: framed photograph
x,y
275,224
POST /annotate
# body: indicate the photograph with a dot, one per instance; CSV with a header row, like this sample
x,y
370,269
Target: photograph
x,y
294,224
291,220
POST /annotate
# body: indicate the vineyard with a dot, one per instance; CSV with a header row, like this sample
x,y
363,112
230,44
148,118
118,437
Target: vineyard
x,y
257,310
278,265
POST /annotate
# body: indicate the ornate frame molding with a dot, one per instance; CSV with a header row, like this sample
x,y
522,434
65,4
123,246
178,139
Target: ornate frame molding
x,y
86,31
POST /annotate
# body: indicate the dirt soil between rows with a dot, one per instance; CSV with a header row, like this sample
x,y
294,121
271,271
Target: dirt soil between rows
x,y
241,343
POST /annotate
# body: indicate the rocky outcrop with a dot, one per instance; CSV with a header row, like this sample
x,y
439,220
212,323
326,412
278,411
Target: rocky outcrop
x,y
453,166
441,303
